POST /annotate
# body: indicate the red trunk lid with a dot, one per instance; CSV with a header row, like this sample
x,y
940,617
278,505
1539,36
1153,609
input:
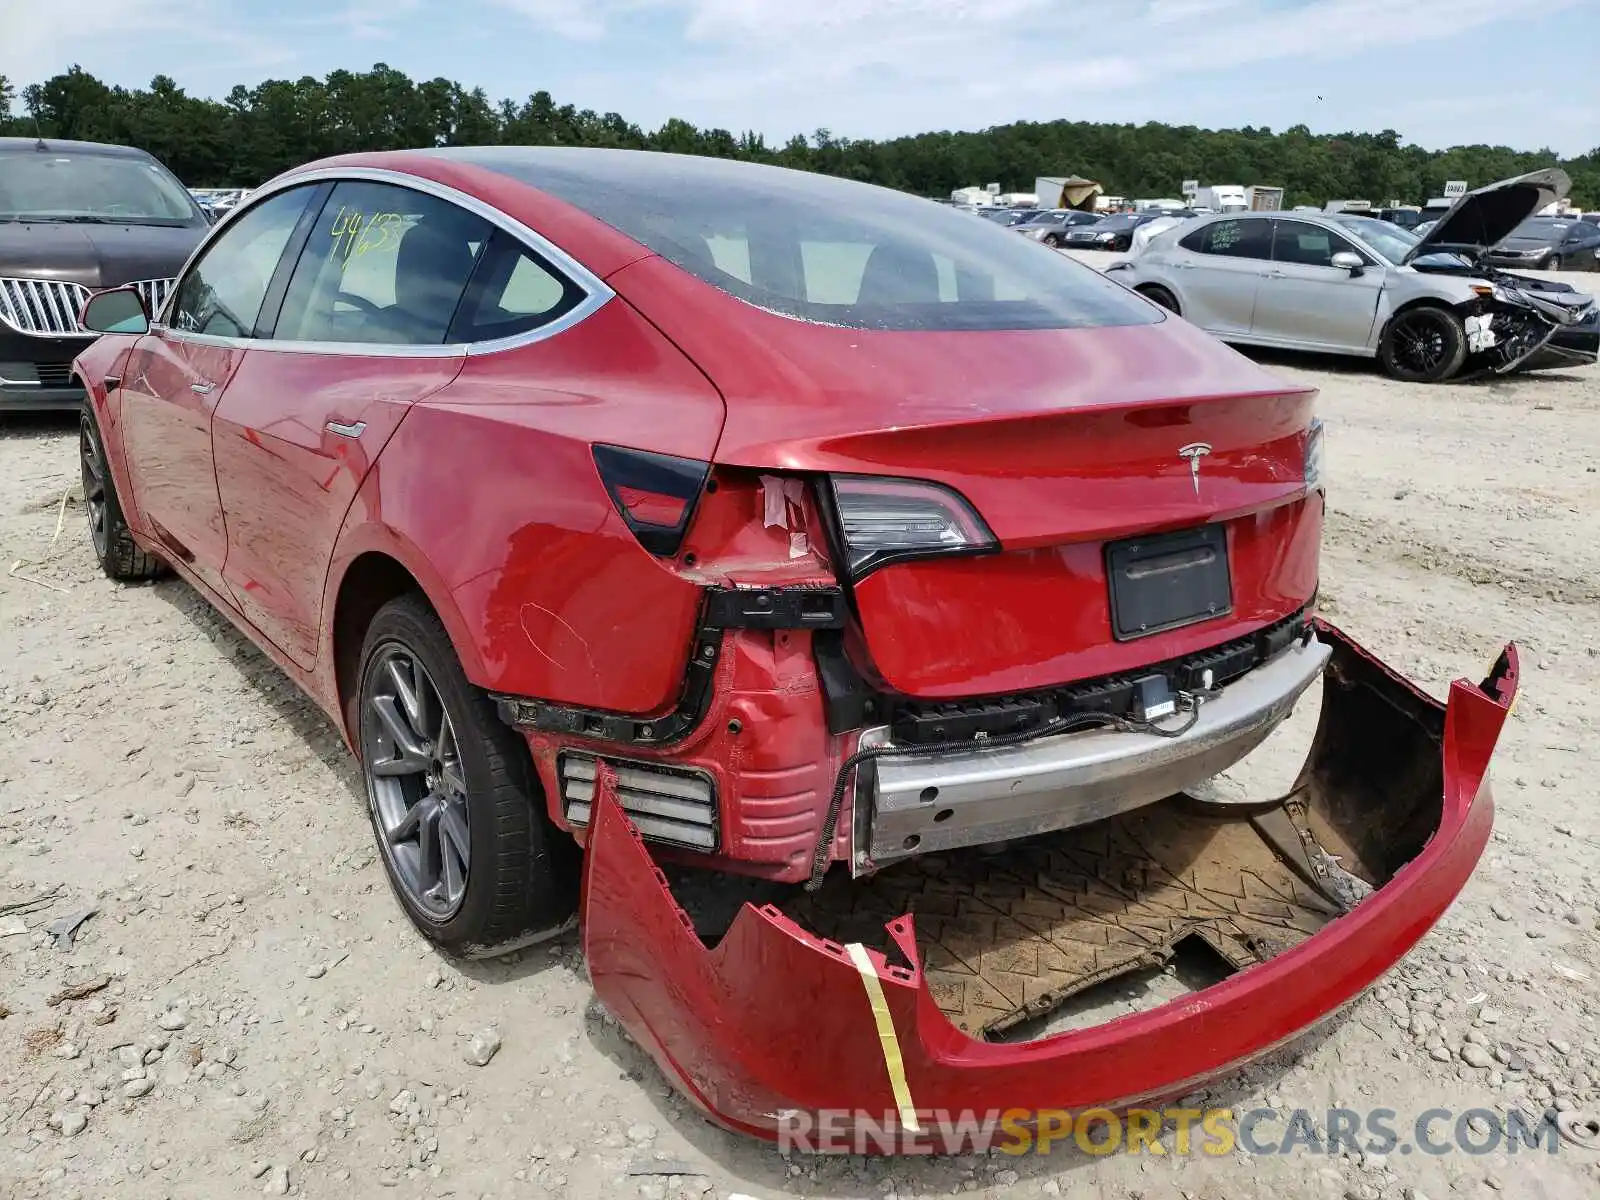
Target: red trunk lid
x,y
1060,439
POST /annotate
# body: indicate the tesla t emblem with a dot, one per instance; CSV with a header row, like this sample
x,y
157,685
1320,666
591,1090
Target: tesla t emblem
x,y
1194,452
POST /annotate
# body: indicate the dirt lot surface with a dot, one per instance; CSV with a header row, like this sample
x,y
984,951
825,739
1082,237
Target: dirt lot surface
x,y
269,1023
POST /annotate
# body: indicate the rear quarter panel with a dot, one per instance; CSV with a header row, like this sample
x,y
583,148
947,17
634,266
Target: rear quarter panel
x,y
489,490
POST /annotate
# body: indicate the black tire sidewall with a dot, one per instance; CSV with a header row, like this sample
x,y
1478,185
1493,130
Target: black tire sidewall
x,y
510,851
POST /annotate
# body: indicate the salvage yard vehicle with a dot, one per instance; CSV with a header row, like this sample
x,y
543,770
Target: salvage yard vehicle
x,y
760,523
76,217
1429,308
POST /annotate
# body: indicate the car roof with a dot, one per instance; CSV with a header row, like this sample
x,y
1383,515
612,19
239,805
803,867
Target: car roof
x,y
34,145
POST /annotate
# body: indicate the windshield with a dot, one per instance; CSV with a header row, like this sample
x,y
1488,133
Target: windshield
x,y
1546,228
1046,218
46,185
824,249
1387,238
1119,221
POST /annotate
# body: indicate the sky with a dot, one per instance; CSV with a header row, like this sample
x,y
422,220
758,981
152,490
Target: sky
x,y
1441,72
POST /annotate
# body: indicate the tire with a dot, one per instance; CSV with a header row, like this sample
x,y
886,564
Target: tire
x,y
473,786
118,554
1423,345
1157,294
1053,240
1551,262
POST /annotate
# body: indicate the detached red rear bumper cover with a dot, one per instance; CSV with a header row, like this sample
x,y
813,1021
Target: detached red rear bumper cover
x,y
774,1020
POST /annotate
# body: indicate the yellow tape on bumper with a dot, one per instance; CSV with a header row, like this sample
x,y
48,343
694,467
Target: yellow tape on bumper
x,y
886,1034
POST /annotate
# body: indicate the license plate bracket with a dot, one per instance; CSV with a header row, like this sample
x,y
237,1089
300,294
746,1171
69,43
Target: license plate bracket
x,y
1168,580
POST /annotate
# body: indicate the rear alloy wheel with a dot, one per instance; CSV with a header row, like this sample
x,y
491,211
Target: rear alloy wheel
x,y
115,550
455,805
1423,345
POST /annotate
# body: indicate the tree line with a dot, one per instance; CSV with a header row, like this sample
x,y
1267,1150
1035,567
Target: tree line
x,y
259,131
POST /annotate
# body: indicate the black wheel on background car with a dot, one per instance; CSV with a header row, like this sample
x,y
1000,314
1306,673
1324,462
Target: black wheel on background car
x,y
454,800
1551,262
1053,240
118,554
1423,345
1157,294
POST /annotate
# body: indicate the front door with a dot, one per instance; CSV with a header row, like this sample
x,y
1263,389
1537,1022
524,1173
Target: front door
x,y
360,337
1305,300
176,377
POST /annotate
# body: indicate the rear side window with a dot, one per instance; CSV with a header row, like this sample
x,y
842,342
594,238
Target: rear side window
x,y
1232,239
383,265
514,291
222,293
830,250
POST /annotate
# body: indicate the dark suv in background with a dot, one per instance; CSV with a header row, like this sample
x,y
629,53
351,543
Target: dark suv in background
x,y
77,217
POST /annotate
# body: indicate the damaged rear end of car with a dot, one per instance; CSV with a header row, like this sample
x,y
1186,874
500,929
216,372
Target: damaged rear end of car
x,y
992,567
895,1012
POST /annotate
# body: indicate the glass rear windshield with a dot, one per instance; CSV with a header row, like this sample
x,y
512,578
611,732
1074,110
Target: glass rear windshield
x,y
50,185
824,249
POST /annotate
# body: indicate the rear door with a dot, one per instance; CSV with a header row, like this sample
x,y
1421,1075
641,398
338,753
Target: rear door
x,y
361,335
1218,270
1305,300
176,377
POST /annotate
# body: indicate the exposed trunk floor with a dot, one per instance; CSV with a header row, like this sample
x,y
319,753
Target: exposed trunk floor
x,y
1006,934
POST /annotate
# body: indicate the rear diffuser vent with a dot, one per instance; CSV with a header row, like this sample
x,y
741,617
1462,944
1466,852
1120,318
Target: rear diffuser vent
x,y
667,804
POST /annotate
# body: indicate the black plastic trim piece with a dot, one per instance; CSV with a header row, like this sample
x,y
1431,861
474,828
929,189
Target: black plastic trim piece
x,y
820,607
662,474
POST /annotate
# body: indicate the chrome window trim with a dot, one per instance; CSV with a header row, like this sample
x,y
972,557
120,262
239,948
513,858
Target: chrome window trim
x,y
595,291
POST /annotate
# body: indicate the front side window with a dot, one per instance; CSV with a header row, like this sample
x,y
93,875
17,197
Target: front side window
x,y
222,293
1306,245
1389,240
830,250
383,265
1232,239
84,188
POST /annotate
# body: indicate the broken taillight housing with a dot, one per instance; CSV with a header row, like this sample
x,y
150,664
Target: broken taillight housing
x,y
655,494
883,520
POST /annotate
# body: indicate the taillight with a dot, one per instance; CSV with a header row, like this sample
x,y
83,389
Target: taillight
x,y
655,494
883,520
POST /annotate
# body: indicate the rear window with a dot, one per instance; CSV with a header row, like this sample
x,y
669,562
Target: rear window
x,y
824,249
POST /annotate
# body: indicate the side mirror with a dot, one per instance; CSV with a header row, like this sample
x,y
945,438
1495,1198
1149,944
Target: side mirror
x,y
120,310
1349,260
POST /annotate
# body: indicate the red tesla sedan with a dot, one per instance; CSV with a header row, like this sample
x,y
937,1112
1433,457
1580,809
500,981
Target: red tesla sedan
x,y
765,522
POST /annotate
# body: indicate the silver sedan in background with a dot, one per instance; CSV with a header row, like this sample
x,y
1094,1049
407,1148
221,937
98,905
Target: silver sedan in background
x,y
1427,308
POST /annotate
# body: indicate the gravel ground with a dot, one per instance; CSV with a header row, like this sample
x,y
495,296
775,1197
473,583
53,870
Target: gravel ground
x,y
257,1016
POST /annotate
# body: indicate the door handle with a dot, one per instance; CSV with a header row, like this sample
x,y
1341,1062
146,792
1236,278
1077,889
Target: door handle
x,y
351,429
113,382
202,388
1274,275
